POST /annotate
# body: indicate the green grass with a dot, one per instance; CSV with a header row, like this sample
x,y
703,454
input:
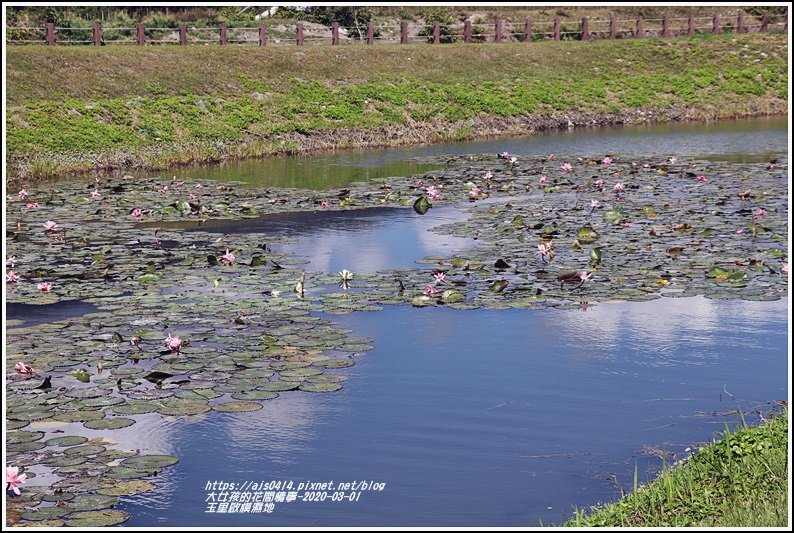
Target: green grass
x,y
98,103
738,481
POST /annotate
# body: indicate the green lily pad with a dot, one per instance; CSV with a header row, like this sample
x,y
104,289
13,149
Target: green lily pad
x,y
126,488
236,407
255,395
422,205
587,234
45,513
150,461
92,502
14,437
73,440
109,423
276,386
87,449
58,497
320,387
101,518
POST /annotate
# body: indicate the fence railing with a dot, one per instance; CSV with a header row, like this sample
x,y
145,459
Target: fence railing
x,y
406,33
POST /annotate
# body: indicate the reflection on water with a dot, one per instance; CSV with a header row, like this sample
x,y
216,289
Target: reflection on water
x,y
32,314
752,140
498,417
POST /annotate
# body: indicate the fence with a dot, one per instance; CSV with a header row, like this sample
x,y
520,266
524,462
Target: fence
x,y
406,33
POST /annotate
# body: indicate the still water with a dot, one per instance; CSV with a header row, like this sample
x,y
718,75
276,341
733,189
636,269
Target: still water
x,y
733,140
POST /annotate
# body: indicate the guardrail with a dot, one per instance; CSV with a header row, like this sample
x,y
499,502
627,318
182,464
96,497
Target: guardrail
x,y
407,32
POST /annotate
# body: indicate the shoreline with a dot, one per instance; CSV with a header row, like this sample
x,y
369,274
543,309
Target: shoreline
x,y
40,168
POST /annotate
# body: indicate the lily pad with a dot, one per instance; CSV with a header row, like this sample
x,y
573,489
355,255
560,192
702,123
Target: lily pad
x,y
126,488
73,440
236,407
101,518
255,395
144,462
422,205
587,234
109,423
320,387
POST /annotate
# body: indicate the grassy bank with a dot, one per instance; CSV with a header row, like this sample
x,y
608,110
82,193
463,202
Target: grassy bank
x,y
152,107
739,481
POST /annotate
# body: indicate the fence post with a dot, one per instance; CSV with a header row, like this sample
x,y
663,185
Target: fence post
x,y
467,31
335,33
640,33
299,34
528,30
404,32
764,23
50,33
436,32
785,21
691,30
715,24
613,27
556,29
585,30
262,35
740,22
182,34
97,34
497,31
665,27
141,34
370,32
224,39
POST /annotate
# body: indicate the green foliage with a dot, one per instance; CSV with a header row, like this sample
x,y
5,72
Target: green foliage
x,y
445,19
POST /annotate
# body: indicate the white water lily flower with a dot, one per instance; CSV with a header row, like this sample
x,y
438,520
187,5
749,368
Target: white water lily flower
x,y
346,275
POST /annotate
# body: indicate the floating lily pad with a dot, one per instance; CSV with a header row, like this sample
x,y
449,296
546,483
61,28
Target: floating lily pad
x,y
126,488
144,462
14,437
109,423
78,416
236,407
92,502
24,447
73,440
45,513
58,497
87,449
277,386
134,408
320,387
422,205
179,407
102,518
587,234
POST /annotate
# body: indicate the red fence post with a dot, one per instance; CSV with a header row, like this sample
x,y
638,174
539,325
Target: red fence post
x,y
740,22
665,27
691,25
224,39
436,32
640,33
299,34
50,33
497,31
556,29
467,31
764,23
335,33
97,34
404,32
528,31
141,34
262,35
585,30
715,24
785,21
613,27
182,34
370,33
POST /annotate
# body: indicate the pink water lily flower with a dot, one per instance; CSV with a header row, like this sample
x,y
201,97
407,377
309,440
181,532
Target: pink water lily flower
x,y
23,193
618,187
14,479
95,194
513,160
173,343
12,277
163,189
585,276
672,159
625,224
594,203
784,268
228,257
739,231
504,155
32,205
136,212
323,204
599,183
474,192
11,261
607,160
551,157
488,175
646,166
542,180
702,178
439,276
761,212
23,368
432,192
50,225
199,186
430,290
566,167
45,286
192,196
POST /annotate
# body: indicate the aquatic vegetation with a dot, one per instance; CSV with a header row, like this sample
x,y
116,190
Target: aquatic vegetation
x,y
12,277
14,479
23,368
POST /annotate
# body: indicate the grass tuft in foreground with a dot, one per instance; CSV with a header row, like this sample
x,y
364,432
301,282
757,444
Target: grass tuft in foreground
x,y
739,481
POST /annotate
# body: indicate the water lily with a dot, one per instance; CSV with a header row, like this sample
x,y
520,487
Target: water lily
x,y
739,231
594,203
607,160
585,276
192,196
23,368
702,178
619,187
50,225
14,479
551,157
488,175
474,192
599,183
227,258
545,249
136,212
173,343
542,180
784,268
646,166
32,205
566,167
199,186
430,290
439,276
761,212
432,193
672,159
23,193
346,275
513,161
11,261
12,277
163,189
323,204
95,194
504,155
625,224
44,287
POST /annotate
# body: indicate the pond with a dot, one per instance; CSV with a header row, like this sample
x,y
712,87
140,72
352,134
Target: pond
x,y
508,408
